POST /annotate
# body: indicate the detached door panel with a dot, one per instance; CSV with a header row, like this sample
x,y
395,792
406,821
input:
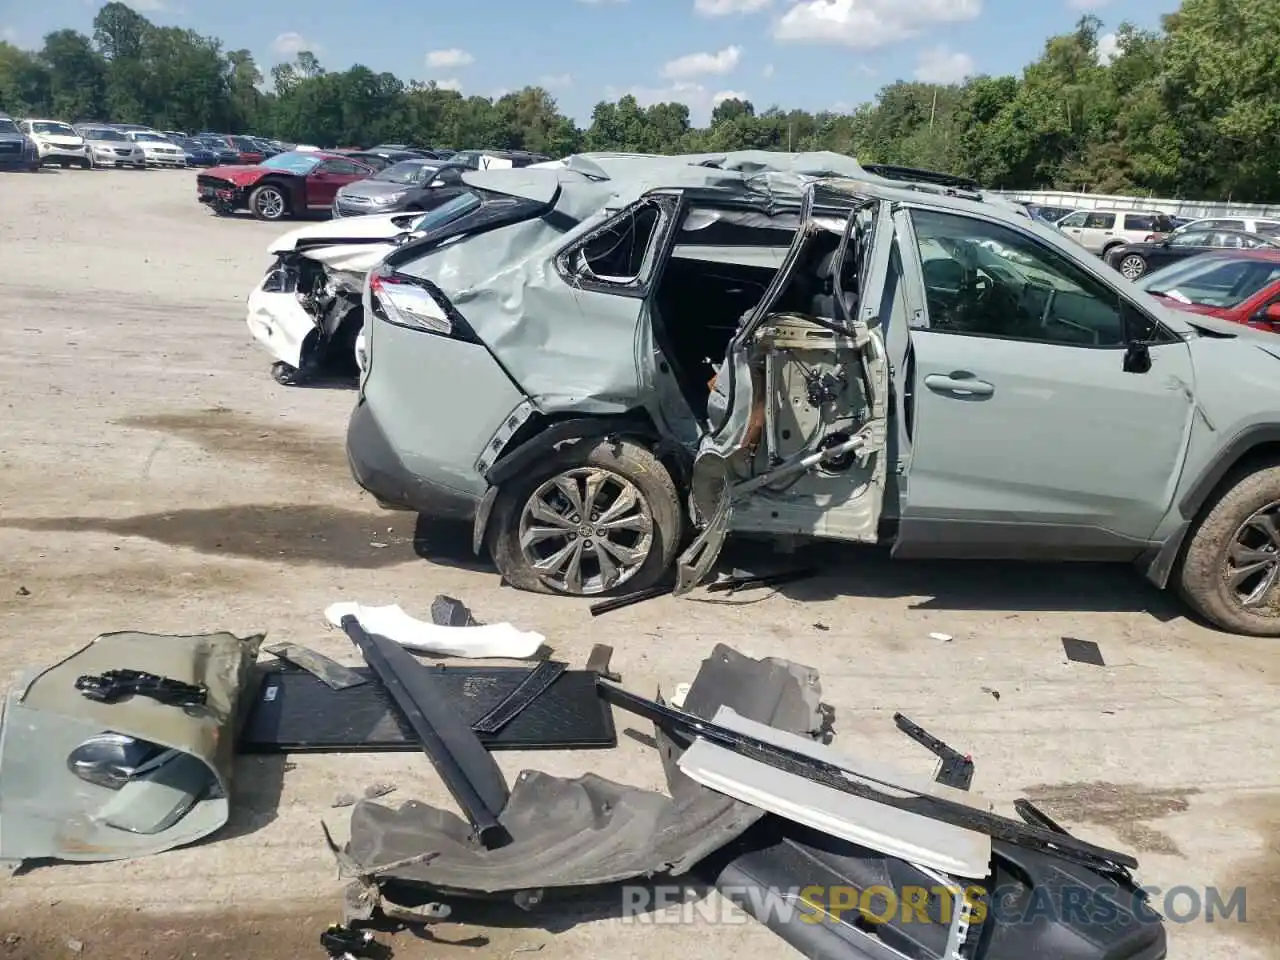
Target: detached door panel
x,y
1030,439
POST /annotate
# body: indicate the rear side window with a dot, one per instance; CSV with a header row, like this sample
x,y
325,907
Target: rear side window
x,y
1100,221
619,254
1140,221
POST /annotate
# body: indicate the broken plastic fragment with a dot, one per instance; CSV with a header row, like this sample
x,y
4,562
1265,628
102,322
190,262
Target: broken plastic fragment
x,y
492,640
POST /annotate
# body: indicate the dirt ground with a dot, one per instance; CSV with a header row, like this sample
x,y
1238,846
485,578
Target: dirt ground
x,y
154,477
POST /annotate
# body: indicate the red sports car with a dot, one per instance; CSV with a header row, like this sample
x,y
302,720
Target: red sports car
x,y
1238,285
286,185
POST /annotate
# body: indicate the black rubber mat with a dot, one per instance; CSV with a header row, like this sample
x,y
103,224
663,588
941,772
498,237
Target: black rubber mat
x,y
294,712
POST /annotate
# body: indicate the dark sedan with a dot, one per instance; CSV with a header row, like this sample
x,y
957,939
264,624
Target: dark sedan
x,y
199,154
1134,260
407,185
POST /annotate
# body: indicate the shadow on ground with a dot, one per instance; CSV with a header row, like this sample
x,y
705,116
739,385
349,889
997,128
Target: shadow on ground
x,y
852,571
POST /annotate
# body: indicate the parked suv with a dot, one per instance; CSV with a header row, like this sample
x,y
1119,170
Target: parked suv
x,y
1100,230
16,149
892,365
57,142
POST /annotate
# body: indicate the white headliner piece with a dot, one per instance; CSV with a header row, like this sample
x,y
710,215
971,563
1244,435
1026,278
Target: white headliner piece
x,y
897,833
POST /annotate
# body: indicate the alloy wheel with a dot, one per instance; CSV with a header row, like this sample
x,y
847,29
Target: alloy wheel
x,y
1252,566
1132,267
271,204
586,530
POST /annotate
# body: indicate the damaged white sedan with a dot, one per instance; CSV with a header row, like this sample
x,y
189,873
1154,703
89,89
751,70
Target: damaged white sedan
x,y
306,311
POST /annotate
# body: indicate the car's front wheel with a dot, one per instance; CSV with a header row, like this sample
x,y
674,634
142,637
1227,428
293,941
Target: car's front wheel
x,y
268,203
596,516
1230,572
1132,266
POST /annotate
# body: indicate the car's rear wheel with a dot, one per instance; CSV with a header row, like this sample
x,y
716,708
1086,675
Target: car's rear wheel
x,y
1230,572
268,202
597,516
1132,266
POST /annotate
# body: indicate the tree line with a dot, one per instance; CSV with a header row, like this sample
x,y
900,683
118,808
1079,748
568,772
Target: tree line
x,y
1189,110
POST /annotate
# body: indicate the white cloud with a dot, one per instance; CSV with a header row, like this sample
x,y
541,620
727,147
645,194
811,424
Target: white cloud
x,y
697,64
723,95
1108,48
1087,4
725,8
450,83
291,44
867,24
499,93
941,65
9,35
767,72
553,81
147,6
453,57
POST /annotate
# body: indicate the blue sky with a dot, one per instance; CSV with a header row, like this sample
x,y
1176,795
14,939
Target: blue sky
x,y
815,54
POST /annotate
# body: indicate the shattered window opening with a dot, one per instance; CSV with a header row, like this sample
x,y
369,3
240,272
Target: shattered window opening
x,y
616,253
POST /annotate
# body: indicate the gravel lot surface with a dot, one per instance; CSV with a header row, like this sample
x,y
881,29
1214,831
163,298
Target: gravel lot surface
x,y
154,477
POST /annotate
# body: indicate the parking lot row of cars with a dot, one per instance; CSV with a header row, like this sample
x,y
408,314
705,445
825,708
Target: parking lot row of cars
x,y
32,143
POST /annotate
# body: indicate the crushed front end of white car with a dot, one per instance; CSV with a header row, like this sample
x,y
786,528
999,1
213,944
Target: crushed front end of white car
x,y
307,310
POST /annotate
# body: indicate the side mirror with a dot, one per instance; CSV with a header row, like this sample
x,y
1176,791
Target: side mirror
x,y
1269,315
1137,357
437,182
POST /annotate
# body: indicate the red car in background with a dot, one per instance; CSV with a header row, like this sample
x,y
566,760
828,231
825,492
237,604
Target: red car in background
x,y
247,151
1242,286
287,185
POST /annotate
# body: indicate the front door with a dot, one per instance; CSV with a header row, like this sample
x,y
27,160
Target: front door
x,y
1031,435
797,423
325,181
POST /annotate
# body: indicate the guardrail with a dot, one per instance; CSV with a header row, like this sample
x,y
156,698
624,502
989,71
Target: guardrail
x,y
1192,209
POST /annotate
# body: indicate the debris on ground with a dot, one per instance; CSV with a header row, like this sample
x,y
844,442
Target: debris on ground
x,y
994,693
1083,651
941,637
481,641
24,592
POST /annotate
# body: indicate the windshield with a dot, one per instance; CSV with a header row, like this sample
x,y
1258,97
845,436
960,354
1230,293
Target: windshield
x,y
8,126
150,138
300,163
1212,281
53,127
406,171
102,133
192,144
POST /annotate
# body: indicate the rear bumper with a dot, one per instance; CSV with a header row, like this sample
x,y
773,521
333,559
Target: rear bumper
x,y
377,468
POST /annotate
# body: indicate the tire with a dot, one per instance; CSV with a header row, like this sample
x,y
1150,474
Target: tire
x,y
622,464
1132,266
1203,574
268,202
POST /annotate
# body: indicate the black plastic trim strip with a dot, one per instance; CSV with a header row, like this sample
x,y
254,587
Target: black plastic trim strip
x,y
466,767
533,686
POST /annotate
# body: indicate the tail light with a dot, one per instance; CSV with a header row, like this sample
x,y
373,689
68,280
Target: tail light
x,y
416,304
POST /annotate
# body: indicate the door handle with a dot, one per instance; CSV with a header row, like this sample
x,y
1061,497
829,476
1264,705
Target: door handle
x,y
959,383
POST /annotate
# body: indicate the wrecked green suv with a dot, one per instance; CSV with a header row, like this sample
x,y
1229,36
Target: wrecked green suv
x,y
626,352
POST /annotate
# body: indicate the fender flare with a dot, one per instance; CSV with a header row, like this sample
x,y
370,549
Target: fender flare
x,y
1160,563
1244,443
514,462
